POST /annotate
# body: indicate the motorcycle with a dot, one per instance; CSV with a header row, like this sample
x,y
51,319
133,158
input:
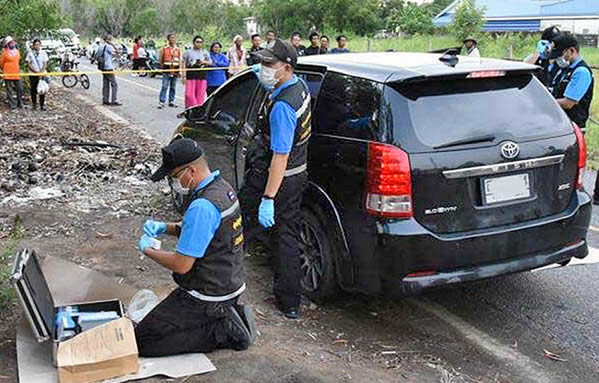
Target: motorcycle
x,y
151,63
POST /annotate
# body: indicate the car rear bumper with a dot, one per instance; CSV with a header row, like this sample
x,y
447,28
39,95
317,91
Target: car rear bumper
x,y
405,248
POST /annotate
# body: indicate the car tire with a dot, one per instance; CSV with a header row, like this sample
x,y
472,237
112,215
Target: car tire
x,y
319,253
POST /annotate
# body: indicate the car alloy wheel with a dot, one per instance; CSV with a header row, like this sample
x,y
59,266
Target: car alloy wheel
x,y
311,258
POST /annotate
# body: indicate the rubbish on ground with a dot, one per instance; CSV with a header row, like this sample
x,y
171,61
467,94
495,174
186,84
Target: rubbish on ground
x,y
554,356
141,304
103,235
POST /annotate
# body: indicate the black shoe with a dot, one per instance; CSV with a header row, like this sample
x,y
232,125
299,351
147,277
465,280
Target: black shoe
x,y
116,104
291,313
106,103
34,106
247,315
238,331
595,200
172,105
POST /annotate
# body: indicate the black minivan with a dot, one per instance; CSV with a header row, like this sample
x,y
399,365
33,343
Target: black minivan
x,y
424,170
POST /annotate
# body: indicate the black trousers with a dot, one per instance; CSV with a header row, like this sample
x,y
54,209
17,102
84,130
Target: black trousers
x,y
596,192
33,82
183,324
285,237
14,93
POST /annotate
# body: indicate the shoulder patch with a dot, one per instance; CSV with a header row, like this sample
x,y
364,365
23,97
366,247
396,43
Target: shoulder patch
x,y
231,195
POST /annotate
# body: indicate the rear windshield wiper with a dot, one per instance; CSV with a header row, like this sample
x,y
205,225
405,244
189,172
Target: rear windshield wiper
x,y
466,141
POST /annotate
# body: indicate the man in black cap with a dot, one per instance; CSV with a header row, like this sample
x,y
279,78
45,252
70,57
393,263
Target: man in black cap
x,y
572,86
202,314
277,175
541,56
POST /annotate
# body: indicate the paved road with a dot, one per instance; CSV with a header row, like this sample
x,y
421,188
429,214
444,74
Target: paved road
x,y
495,330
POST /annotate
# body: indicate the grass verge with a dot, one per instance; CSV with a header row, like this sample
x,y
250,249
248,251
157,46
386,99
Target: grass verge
x,y
9,249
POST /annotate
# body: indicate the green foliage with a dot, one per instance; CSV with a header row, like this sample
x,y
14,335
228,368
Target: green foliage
x,y
413,19
23,19
146,22
468,20
6,256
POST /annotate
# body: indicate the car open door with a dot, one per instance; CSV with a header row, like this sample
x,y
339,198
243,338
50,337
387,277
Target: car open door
x,y
216,125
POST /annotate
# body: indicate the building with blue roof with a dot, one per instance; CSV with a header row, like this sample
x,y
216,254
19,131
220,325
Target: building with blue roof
x,y
576,16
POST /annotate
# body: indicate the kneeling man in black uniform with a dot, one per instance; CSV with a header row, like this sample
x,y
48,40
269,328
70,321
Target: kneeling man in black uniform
x,y
202,314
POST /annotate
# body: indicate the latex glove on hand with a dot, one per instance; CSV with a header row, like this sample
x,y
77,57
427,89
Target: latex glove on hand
x,y
543,48
144,243
154,228
256,68
266,213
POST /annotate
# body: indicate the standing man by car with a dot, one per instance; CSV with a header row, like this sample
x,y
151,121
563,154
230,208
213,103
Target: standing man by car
x,y
541,56
296,42
105,54
170,58
341,45
471,46
277,174
251,59
271,36
573,85
9,65
202,314
37,61
314,48
324,43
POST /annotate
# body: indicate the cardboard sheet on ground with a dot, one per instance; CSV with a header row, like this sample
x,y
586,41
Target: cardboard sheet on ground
x,y
72,283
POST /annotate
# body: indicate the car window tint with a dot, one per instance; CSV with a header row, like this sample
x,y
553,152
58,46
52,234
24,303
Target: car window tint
x,y
348,107
514,107
230,103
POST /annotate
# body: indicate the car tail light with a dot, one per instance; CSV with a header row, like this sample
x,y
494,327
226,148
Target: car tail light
x,y
389,182
420,274
486,74
582,156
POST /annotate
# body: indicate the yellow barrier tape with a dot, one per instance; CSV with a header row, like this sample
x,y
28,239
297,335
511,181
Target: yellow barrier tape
x,y
118,72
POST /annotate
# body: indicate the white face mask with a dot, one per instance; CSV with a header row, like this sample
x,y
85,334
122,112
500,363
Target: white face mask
x,y
268,76
562,62
177,187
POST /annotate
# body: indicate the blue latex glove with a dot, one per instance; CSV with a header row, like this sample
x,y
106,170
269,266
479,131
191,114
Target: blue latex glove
x,y
144,243
255,68
542,48
154,228
266,213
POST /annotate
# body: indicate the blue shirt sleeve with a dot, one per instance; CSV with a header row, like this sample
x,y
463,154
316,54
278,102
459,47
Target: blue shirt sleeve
x,y
282,127
200,222
579,84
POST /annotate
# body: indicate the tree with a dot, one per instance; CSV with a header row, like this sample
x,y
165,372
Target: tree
x,y
23,19
413,19
468,20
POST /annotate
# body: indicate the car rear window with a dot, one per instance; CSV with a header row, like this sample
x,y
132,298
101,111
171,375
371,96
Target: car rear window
x,y
512,107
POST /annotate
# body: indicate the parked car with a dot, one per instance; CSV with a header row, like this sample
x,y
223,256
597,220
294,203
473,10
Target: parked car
x,y
424,171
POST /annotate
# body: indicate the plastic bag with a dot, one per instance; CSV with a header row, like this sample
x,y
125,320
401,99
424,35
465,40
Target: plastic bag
x,y
141,304
42,87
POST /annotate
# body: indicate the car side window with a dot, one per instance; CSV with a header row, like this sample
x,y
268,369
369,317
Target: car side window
x,y
348,107
313,81
231,102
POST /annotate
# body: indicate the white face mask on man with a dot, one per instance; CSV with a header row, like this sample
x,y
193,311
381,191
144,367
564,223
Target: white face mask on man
x,y
178,187
268,76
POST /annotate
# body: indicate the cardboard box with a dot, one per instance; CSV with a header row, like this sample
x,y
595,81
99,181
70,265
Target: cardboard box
x,y
99,353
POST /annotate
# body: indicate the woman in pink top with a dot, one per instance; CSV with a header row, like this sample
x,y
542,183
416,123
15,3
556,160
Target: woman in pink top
x,y
237,56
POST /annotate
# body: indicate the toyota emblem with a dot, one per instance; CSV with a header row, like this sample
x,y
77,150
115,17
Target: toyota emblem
x,y
510,150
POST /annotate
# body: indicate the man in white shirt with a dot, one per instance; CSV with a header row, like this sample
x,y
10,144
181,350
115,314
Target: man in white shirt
x,y
471,47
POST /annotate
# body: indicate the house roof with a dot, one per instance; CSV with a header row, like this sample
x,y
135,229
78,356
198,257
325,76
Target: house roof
x,y
400,66
526,9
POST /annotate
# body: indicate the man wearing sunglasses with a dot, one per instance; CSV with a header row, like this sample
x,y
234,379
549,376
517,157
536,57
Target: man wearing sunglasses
x,y
202,314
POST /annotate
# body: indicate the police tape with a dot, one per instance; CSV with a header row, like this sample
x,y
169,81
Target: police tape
x,y
118,72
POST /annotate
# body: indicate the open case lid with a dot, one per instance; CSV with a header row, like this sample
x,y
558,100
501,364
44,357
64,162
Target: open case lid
x,y
35,296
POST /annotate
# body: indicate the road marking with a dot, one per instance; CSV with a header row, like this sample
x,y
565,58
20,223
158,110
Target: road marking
x,y
145,86
519,363
594,228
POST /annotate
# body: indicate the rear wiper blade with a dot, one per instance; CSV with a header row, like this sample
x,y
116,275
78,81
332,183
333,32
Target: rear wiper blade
x,y
466,141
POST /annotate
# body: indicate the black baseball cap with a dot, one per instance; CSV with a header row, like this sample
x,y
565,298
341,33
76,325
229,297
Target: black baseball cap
x,y
177,153
550,33
562,42
279,51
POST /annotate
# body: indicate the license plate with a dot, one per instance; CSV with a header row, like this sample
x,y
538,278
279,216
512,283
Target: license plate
x,y
509,188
